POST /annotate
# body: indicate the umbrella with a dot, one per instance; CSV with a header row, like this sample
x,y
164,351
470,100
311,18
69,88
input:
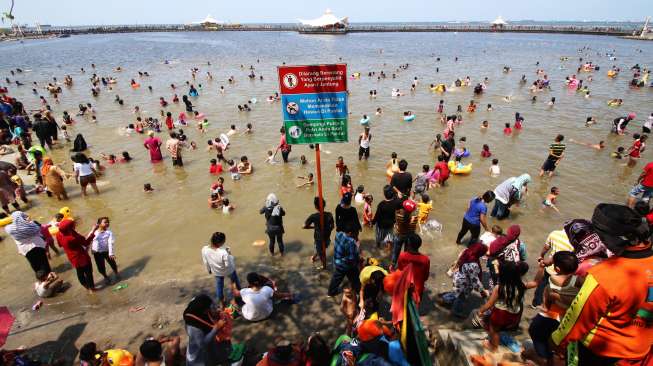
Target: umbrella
x,y
6,321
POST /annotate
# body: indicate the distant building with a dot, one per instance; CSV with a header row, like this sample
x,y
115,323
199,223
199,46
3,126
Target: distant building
x,y
498,23
327,23
209,23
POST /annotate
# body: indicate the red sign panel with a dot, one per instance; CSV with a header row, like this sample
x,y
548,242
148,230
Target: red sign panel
x,y
313,79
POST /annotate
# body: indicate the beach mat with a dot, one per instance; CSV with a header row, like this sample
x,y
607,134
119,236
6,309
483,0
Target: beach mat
x,y
6,321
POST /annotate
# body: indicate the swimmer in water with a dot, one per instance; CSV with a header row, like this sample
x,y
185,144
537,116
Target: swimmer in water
x,y
590,121
599,146
309,181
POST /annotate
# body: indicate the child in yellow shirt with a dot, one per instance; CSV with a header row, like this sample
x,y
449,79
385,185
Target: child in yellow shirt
x,y
424,209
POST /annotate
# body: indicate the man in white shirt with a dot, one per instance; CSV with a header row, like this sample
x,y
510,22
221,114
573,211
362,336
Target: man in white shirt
x,y
220,263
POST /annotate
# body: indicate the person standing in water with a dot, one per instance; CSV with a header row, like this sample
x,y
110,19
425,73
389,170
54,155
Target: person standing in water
x,y
173,145
153,145
274,222
556,153
84,173
283,146
364,144
475,217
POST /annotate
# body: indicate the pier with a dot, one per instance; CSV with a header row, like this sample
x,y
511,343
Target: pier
x,y
352,28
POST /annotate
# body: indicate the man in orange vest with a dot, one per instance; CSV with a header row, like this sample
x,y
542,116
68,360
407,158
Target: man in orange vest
x,y
611,318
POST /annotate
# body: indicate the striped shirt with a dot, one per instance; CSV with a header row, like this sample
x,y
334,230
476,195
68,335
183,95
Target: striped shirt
x,y
557,241
556,149
402,226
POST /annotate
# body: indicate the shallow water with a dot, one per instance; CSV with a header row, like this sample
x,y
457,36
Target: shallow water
x,y
159,235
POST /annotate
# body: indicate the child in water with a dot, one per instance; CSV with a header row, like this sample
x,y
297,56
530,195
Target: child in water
x,y
359,197
309,180
233,169
619,154
341,168
485,153
215,201
226,206
424,209
215,168
368,215
270,158
507,130
484,125
495,170
551,199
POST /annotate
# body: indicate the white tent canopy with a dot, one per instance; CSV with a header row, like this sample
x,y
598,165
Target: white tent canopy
x,y
210,20
499,21
325,20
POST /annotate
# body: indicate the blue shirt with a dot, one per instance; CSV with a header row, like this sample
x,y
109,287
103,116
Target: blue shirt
x,y
477,208
345,251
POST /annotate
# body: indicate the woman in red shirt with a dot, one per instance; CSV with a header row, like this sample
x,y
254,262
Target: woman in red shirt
x,y
76,248
635,151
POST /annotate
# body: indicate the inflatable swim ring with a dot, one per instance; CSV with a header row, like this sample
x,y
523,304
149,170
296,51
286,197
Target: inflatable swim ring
x,y
67,215
409,118
119,357
200,116
193,94
612,73
6,221
30,152
136,85
365,121
440,88
464,170
224,139
613,104
573,84
356,75
253,100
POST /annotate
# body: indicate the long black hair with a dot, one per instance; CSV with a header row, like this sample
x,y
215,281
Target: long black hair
x,y
511,287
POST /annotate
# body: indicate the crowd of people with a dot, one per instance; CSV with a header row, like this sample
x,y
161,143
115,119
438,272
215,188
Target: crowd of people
x,y
592,283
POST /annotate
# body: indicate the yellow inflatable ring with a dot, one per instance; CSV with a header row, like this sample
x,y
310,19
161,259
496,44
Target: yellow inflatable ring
x,y
6,221
464,170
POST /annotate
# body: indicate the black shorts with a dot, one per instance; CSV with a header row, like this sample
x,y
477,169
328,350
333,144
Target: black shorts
x,y
177,161
550,164
364,151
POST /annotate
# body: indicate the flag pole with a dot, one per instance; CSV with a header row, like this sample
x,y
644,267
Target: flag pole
x,y
318,171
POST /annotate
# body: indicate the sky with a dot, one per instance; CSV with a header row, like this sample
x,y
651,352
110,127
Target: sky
x,y
85,12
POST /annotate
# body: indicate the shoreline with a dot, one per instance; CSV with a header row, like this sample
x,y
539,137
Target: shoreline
x,y
57,32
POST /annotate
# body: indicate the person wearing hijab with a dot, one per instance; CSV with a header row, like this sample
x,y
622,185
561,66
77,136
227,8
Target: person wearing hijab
x,y
509,192
27,235
274,222
76,247
79,145
153,145
53,177
466,278
209,333
505,248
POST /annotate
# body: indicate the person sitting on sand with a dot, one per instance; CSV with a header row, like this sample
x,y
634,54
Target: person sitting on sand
x,y
48,284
